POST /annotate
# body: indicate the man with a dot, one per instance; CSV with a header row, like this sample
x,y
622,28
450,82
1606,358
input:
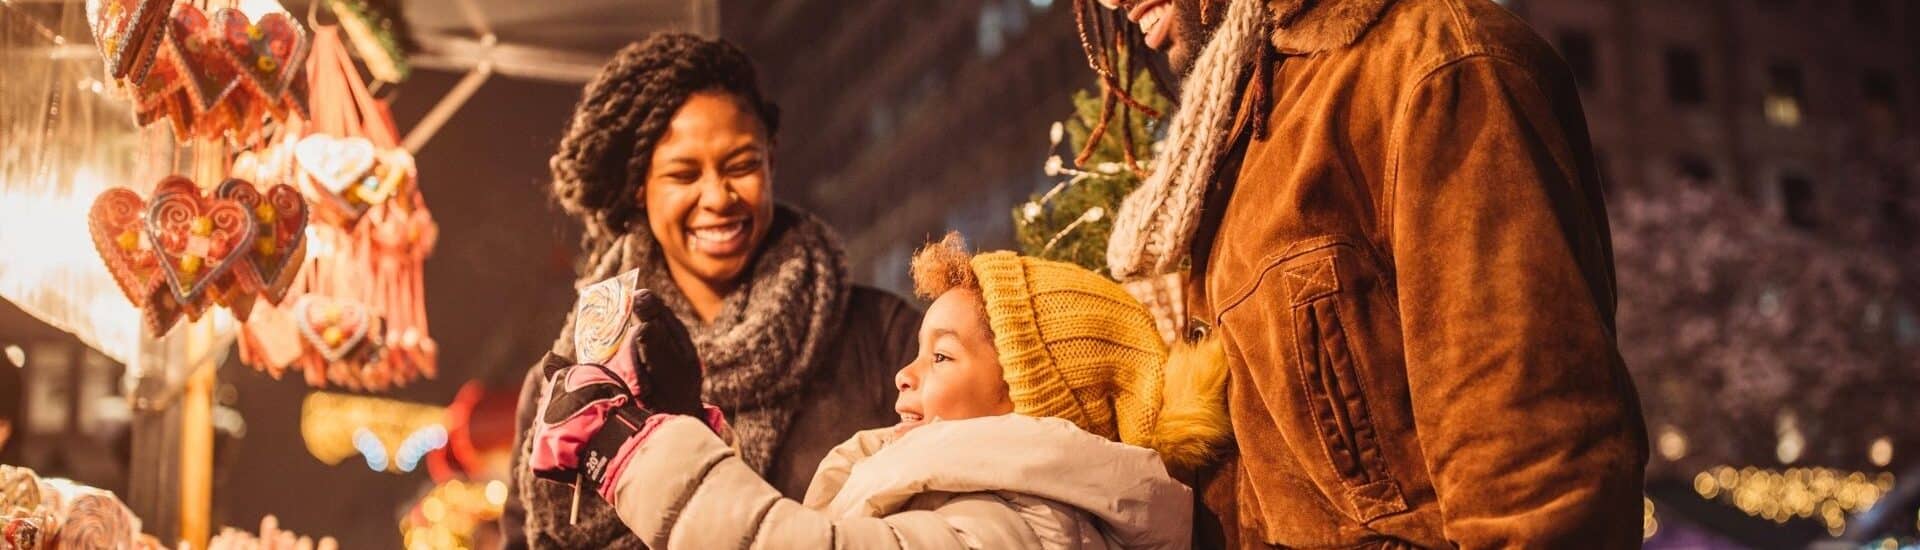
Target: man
x,y
1393,222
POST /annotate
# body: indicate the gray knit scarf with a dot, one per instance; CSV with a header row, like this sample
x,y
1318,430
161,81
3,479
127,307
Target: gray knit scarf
x,y
771,333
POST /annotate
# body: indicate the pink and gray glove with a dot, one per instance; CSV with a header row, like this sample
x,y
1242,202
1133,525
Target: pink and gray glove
x,y
586,428
590,420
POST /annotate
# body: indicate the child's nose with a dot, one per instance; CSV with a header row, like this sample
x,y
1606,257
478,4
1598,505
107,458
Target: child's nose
x,y
905,379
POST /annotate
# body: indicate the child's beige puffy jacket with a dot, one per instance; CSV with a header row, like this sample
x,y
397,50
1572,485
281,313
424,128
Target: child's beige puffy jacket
x,y
1000,482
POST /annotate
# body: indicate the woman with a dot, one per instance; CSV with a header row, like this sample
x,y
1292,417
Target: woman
x,y
667,164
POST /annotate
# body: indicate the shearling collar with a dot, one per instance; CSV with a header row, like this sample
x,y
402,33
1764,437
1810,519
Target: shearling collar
x,y
1308,26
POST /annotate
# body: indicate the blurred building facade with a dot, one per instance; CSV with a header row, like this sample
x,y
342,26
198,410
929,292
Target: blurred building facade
x,y
1807,106
905,119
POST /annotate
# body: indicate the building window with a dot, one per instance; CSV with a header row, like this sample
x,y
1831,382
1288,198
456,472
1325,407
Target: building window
x,y
1796,200
1786,95
1577,48
1685,84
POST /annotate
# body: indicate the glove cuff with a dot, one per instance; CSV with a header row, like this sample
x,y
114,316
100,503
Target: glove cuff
x,y
603,477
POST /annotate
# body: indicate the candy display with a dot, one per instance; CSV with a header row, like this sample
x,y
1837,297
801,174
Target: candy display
x,y
271,537
19,489
58,513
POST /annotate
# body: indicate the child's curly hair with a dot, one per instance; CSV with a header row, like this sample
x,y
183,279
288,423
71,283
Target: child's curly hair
x,y
603,158
942,266
946,265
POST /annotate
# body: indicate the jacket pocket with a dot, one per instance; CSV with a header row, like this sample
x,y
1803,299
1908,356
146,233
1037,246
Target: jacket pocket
x,y
1313,295
1337,402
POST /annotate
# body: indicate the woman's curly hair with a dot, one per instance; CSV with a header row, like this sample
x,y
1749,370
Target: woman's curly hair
x,y
603,158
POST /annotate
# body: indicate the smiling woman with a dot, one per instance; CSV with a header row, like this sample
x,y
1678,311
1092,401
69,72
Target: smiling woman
x,y
667,165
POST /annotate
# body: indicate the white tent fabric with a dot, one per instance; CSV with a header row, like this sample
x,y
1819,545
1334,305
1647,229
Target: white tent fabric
x,y
64,138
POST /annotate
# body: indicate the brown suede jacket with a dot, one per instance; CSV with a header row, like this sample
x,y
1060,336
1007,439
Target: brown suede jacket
x,y
1412,275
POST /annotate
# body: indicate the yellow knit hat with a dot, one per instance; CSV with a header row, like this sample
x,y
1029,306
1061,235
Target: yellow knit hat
x,y
1075,345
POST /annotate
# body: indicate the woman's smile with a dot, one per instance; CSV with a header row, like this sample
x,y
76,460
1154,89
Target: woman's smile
x,y
721,239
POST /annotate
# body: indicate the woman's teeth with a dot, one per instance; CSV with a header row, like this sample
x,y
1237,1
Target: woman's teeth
x,y
719,233
719,240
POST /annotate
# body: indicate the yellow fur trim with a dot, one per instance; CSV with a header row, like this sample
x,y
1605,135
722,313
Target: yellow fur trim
x,y
1194,429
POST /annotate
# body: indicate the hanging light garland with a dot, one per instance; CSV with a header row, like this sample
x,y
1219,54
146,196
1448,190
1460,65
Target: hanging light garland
x,y
1823,494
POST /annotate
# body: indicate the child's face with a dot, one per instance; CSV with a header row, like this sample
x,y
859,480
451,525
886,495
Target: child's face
x,y
957,373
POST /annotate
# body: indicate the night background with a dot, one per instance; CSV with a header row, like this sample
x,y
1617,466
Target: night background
x,y
1761,161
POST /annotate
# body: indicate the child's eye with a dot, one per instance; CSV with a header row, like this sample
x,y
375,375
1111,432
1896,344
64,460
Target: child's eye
x,y
941,357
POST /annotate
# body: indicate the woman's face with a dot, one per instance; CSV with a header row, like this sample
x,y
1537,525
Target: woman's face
x,y
957,374
709,191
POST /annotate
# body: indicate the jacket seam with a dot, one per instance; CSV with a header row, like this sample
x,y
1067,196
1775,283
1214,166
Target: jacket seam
x,y
760,522
1396,144
1268,264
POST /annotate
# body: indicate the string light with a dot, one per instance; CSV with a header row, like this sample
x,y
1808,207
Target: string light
x,y
1649,525
449,515
1673,446
1881,452
1821,494
16,356
401,433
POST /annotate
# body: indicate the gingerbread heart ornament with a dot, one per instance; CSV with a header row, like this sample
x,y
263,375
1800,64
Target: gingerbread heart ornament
x,y
337,163
279,245
268,51
194,46
389,177
128,33
115,224
333,327
197,239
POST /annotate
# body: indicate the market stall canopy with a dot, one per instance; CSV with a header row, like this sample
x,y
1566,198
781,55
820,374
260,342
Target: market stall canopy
x,y
558,41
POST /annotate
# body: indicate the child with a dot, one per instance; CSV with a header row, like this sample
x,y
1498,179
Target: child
x,y
1028,373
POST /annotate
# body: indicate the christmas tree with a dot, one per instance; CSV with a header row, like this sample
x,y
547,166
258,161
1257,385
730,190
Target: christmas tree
x,y
1070,222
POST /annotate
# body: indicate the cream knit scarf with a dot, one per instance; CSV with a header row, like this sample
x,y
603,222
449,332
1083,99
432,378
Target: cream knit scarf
x,y
1156,222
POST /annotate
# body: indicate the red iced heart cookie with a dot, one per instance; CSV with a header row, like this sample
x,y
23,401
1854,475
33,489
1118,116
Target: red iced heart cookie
x,y
195,46
268,51
128,33
332,327
280,244
197,239
118,235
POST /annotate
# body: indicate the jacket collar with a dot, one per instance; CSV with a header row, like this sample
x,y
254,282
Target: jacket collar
x,y
1309,26
1125,487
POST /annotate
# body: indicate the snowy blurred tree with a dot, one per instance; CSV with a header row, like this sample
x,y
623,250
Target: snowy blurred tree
x,y
1753,342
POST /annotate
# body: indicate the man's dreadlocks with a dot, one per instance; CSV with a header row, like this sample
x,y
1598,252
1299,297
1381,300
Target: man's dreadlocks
x,y
1110,46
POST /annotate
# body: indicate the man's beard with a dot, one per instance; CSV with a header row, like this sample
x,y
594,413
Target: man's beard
x,y
1191,32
